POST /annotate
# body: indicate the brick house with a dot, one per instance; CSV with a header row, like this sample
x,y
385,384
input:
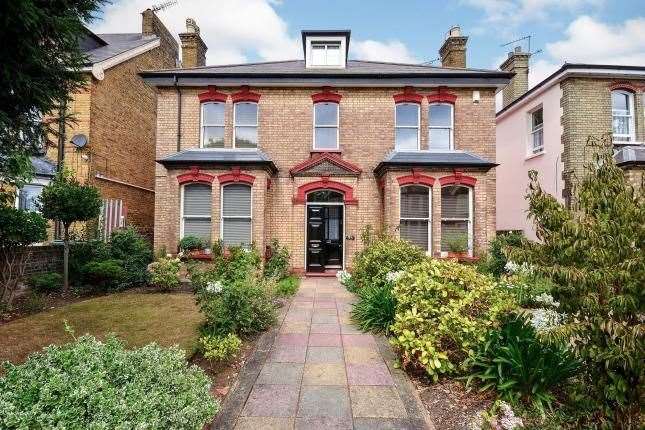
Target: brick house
x,y
546,129
312,151
111,143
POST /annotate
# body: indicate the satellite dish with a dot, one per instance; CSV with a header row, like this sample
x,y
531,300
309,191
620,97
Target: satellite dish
x,y
79,140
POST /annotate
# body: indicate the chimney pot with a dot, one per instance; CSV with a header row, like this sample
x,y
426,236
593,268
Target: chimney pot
x,y
453,50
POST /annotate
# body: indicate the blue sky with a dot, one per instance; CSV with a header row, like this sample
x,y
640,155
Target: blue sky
x,y
594,31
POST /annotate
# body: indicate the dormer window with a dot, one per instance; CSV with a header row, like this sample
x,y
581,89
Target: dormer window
x,y
325,48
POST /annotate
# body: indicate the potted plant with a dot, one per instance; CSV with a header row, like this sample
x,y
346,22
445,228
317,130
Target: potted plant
x,y
457,245
193,247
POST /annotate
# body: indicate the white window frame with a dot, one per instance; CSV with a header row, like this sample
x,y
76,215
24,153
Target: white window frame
x,y
337,126
469,220
451,128
256,125
418,126
632,125
531,150
221,211
202,125
183,216
311,40
35,181
429,219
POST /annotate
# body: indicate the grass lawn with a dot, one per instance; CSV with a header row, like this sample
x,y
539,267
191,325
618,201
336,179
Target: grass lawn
x,y
136,318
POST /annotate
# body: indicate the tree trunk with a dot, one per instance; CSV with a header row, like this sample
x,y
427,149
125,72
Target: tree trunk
x,y
66,260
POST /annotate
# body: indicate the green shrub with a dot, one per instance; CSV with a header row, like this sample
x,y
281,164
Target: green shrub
x,y
104,275
241,306
134,250
46,282
220,348
164,273
288,286
34,302
457,242
103,385
496,260
191,243
81,253
375,309
278,265
519,366
382,255
444,311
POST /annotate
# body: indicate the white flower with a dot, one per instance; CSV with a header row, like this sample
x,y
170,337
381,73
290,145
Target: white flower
x,y
546,300
394,276
343,276
512,267
214,287
543,319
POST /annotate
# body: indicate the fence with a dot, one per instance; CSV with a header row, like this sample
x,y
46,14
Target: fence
x,y
113,216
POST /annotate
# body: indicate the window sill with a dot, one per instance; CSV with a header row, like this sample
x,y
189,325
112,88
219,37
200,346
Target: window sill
x,y
532,156
325,151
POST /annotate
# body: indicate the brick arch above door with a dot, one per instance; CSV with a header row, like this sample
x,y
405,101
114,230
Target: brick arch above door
x,y
325,184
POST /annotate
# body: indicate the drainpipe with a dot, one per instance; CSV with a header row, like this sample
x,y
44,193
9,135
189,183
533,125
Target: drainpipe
x,y
178,113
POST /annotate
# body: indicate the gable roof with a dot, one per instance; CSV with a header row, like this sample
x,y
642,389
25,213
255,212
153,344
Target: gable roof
x,y
325,162
115,44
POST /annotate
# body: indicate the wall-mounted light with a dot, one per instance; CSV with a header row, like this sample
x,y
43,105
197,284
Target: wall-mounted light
x,y
475,96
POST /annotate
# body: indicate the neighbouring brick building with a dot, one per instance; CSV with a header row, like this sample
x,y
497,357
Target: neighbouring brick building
x,y
312,151
111,144
546,129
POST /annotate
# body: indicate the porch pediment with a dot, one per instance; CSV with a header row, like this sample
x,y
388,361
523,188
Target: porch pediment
x,y
325,164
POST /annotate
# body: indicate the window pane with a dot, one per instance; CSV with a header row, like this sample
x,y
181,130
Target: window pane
x,y
198,227
620,125
415,232
213,114
415,202
407,115
237,200
326,113
440,115
318,55
454,202
537,119
407,139
28,197
197,200
213,137
326,138
454,236
440,138
236,232
619,101
333,55
324,196
246,114
246,137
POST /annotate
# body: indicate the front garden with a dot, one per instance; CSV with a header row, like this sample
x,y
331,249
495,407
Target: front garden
x,y
539,335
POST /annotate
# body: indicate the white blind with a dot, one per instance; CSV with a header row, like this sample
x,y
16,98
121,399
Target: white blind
x,y
454,202
415,215
236,215
415,231
197,211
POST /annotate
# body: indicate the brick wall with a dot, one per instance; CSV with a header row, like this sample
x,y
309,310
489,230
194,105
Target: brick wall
x,y
586,111
45,258
286,135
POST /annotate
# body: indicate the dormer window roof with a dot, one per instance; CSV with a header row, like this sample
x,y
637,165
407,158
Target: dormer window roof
x,y
325,48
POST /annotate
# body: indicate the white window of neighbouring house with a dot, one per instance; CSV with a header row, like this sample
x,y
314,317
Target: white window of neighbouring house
x,y
406,127
325,54
440,120
536,139
196,211
456,219
246,125
326,125
212,125
27,197
236,215
622,111
414,224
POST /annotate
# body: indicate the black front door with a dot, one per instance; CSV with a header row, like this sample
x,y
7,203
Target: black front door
x,y
324,237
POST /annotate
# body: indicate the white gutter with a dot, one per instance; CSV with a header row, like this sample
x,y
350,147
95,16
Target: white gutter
x,y
127,184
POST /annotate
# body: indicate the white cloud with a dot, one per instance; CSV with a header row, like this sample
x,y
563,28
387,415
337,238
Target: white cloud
x,y
394,51
235,30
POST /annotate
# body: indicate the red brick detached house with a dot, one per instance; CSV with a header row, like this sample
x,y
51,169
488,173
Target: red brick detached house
x,y
312,151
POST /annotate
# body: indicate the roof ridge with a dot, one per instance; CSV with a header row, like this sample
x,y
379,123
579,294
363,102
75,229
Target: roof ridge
x,y
256,63
397,63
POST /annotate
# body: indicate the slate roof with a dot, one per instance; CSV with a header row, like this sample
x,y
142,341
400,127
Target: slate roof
x,y
219,156
630,155
115,44
43,166
433,159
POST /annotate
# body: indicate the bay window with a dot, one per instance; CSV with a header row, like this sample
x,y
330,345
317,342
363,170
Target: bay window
x,y
236,215
196,211
246,125
456,219
212,125
440,120
406,126
326,125
414,224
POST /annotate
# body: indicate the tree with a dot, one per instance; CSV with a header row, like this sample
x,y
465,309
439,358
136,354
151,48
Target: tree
x,y
67,201
594,252
18,230
41,66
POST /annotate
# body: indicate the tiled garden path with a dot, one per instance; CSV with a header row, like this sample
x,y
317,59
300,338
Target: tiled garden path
x,y
317,371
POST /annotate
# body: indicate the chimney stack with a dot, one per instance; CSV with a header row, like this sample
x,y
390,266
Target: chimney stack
x,y
518,63
151,25
453,50
193,48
